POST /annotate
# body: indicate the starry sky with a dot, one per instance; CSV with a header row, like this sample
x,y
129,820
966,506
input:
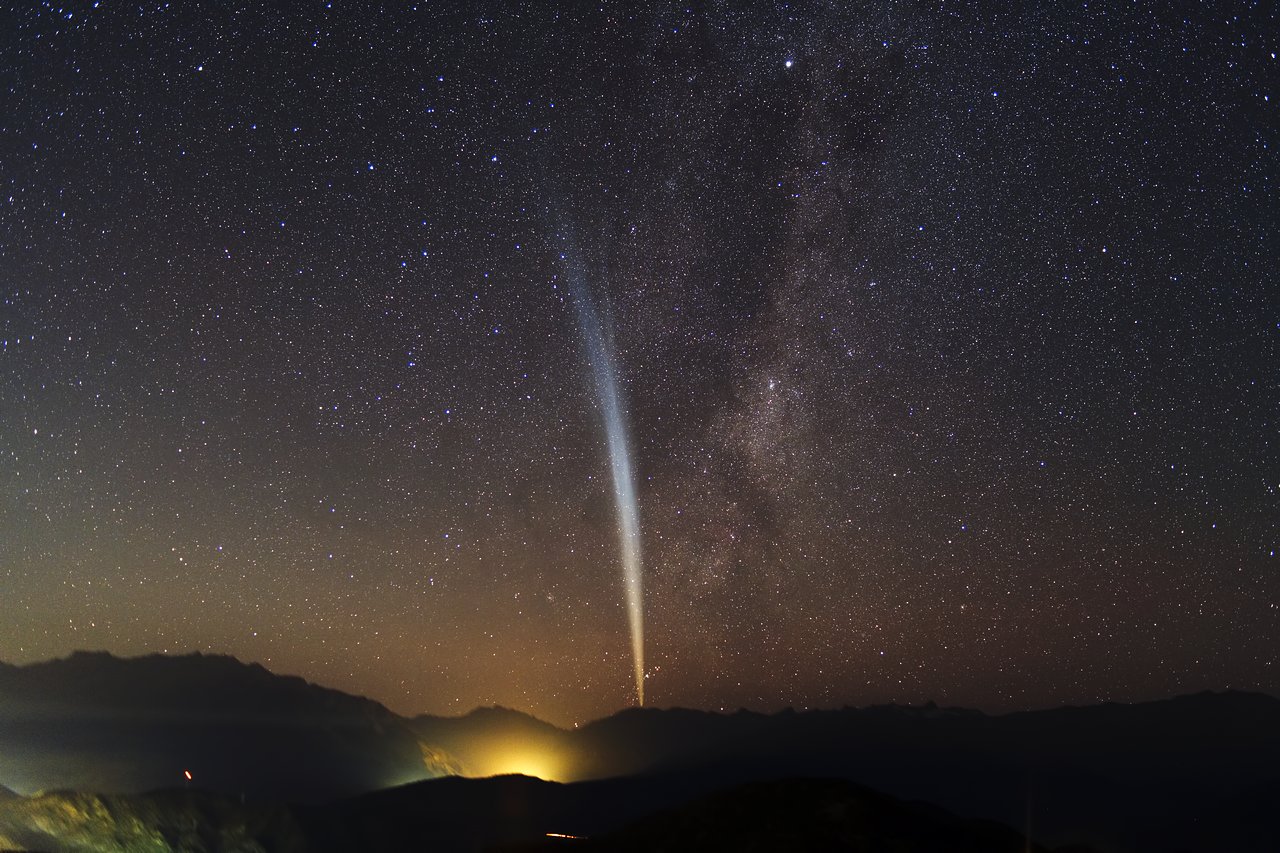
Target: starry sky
x,y
946,337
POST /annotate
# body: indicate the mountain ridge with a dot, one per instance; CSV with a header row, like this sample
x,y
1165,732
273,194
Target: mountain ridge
x,y
94,721
78,658
1173,769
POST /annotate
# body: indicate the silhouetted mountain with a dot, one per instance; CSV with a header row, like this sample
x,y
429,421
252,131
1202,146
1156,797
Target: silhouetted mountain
x,y
1173,774
96,722
496,741
1194,773
827,815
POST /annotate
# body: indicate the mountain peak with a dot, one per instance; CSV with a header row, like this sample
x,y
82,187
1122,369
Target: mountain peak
x,y
126,724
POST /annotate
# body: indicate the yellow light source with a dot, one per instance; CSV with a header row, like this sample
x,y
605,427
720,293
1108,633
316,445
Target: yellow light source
x,y
515,751
527,763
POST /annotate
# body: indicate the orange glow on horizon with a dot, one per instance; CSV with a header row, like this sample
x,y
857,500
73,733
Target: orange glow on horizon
x,y
509,754
533,763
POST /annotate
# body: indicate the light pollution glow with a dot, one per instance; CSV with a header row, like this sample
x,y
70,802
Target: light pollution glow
x,y
600,354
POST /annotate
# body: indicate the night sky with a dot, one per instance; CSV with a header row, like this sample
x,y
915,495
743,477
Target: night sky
x,y
946,340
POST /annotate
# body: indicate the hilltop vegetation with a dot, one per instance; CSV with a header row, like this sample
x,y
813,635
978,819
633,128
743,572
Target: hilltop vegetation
x,y
193,822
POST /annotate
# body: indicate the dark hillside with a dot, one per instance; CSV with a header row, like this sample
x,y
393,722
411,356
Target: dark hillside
x,y
101,723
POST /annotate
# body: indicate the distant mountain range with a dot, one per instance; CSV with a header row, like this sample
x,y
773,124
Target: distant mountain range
x,y
1194,773
95,722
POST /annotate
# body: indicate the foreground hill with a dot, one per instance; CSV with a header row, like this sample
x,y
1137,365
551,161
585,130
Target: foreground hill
x,y
809,815
509,813
1162,775
65,822
100,723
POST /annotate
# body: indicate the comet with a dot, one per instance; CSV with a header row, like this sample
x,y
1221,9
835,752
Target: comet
x,y
600,354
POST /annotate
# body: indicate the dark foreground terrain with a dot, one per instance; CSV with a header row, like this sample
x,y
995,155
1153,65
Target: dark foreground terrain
x,y
280,764
512,813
